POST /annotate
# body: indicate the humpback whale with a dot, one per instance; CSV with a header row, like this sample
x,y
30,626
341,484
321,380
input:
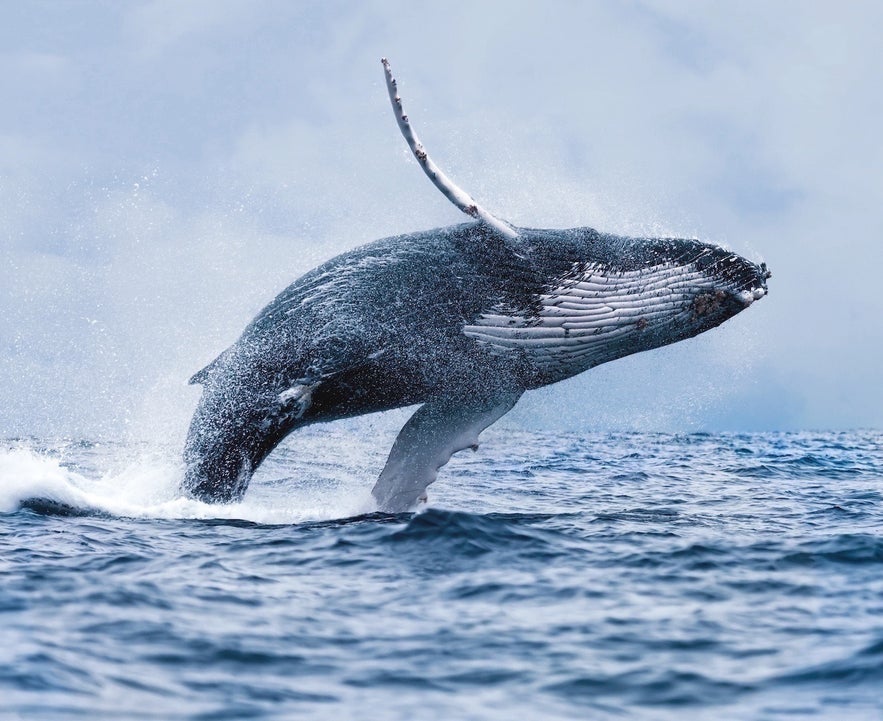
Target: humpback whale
x,y
461,320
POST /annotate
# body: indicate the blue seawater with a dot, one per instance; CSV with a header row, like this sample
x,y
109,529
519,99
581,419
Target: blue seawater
x,y
601,576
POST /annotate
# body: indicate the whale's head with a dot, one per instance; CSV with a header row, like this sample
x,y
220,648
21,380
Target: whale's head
x,y
690,286
610,296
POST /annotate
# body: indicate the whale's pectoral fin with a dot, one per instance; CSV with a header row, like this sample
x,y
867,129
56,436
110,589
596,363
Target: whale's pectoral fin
x,y
449,189
431,436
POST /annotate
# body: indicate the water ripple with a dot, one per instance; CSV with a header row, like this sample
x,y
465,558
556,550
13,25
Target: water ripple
x,y
600,576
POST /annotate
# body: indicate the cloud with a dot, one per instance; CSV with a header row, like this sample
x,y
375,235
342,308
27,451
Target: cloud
x,y
158,26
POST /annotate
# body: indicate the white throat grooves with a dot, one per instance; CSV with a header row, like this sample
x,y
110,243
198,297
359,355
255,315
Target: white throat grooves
x,y
452,192
585,321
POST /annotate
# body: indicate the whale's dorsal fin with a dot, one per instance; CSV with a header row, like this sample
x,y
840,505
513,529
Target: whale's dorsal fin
x,y
201,377
452,192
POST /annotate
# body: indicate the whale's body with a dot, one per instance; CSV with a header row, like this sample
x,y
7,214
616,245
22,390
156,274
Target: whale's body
x,y
459,319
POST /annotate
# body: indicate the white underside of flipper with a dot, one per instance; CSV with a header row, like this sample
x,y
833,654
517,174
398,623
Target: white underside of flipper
x,y
438,430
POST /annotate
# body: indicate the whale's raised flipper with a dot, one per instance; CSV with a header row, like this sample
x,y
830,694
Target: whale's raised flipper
x,y
438,429
449,189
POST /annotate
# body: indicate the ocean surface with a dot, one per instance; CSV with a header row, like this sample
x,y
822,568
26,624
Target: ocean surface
x,y
550,576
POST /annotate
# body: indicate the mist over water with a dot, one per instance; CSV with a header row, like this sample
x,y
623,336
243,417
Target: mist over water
x,y
164,172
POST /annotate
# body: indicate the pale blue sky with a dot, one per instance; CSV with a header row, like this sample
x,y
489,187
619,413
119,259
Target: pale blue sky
x,y
167,167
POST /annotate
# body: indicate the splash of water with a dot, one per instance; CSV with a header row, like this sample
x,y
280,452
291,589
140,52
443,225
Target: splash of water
x,y
145,483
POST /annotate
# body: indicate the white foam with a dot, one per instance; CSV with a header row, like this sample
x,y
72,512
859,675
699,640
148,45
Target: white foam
x,y
146,485
25,474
